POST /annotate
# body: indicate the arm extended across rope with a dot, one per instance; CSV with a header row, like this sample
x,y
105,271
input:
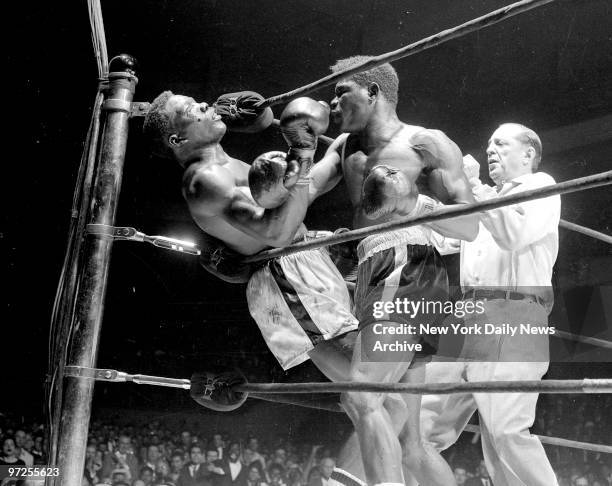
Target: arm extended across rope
x,y
573,185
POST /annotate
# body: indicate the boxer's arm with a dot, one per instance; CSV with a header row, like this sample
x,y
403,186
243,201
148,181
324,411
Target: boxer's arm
x,y
519,225
447,181
328,171
214,193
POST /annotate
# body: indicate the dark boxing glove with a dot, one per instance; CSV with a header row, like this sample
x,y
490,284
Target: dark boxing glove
x,y
301,122
386,190
270,177
239,111
216,390
223,262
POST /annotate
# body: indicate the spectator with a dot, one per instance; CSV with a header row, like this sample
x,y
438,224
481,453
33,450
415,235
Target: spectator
x,y
20,442
147,475
214,466
235,472
460,474
482,476
194,473
153,456
255,475
219,445
93,464
122,457
162,474
176,464
10,453
276,474
326,467
251,453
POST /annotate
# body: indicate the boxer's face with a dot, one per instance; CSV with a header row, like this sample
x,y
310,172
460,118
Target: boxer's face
x,y
507,155
351,106
193,123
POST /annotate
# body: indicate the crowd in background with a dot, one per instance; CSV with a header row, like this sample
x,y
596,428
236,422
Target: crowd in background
x,y
158,453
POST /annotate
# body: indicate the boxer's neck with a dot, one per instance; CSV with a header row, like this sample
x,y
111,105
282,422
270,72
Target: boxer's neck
x,y
383,125
211,153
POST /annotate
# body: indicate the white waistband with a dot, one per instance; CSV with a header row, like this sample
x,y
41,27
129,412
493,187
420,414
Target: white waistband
x,y
416,235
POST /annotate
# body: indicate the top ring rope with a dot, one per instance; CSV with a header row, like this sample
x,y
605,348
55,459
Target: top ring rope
x,y
573,185
478,23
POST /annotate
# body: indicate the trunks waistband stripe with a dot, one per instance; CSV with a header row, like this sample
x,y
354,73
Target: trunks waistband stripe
x,y
415,235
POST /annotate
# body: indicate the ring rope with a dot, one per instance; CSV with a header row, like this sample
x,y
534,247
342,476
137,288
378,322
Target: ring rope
x,y
557,441
586,385
598,235
473,25
573,185
602,343
334,406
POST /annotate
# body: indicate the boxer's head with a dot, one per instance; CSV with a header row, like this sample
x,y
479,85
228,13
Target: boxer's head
x,y
512,151
357,96
177,126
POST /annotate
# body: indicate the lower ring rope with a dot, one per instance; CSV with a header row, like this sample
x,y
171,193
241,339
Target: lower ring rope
x,y
586,385
334,406
557,441
602,343
573,185
278,392
533,386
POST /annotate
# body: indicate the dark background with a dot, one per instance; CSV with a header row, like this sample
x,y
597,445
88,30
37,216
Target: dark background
x,y
549,69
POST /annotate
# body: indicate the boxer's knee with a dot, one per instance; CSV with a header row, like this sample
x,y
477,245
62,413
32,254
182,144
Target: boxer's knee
x,y
360,404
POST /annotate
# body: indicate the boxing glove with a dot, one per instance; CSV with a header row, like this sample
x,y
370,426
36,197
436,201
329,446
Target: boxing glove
x,y
216,390
270,177
301,122
239,111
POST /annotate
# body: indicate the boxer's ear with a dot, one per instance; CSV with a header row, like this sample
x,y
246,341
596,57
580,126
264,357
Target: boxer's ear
x,y
373,90
175,140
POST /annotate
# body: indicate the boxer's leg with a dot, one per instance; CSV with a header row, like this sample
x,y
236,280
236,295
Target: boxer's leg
x,y
419,459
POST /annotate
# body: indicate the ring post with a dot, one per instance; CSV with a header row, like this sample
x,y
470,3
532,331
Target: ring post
x,y
76,406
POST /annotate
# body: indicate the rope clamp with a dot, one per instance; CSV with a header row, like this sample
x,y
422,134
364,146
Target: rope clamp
x,y
127,233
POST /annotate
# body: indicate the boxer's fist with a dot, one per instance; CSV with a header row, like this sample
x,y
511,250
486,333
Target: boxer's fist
x,y
239,111
471,168
216,390
270,177
302,121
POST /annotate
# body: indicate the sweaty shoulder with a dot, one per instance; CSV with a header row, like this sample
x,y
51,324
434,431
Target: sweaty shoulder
x,y
436,149
209,189
430,140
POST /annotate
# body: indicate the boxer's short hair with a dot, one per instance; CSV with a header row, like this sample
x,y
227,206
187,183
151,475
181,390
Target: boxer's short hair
x,y
384,75
156,126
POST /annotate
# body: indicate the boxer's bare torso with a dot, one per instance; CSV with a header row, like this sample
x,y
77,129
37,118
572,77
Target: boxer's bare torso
x,y
216,191
430,161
